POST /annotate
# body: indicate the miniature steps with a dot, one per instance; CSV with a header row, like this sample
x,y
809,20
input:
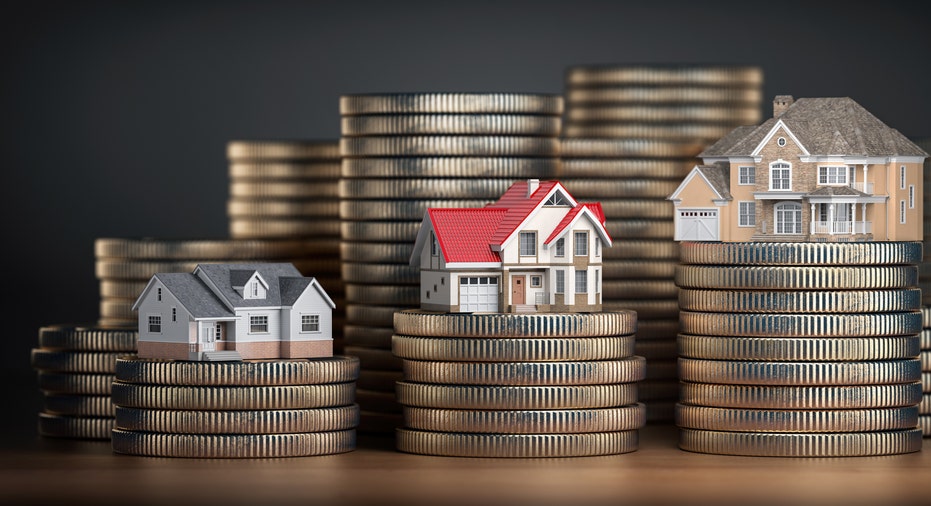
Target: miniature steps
x,y
525,308
222,356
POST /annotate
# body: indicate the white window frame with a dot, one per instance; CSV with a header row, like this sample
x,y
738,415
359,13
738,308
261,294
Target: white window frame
x,y
902,211
536,281
580,247
155,324
781,141
312,320
255,322
560,281
911,196
746,175
597,281
559,250
782,166
527,239
597,246
784,207
581,281
830,175
746,213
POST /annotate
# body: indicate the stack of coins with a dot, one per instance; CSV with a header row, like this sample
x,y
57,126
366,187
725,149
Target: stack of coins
x,y
518,385
250,409
125,266
402,154
631,135
924,281
924,409
287,189
799,349
76,368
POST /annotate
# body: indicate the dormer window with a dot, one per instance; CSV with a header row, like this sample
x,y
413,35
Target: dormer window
x,y
255,287
557,199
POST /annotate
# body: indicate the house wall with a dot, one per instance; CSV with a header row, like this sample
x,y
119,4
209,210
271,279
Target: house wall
x,y
175,335
256,345
698,195
310,302
730,212
913,228
804,179
438,289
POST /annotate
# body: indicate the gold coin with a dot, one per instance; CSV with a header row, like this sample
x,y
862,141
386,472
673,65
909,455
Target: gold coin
x,y
119,289
876,372
280,228
639,289
678,75
232,397
380,231
629,148
637,269
75,384
421,323
620,188
590,372
368,337
633,168
264,189
800,397
450,124
74,361
781,301
79,405
800,325
116,323
642,209
75,427
425,188
449,145
878,253
377,294
516,397
373,358
729,115
399,210
796,277
444,167
199,249
317,171
642,249
451,103
452,444
512,349
257,209
705,133
645,309
225,446
270,421
926,382
290,150
773,444
118,308
797,349
82,337
684,94
392,274
315,371
782,420
555,421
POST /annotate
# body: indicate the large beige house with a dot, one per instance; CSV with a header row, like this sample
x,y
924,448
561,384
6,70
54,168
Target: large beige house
x,y
821,169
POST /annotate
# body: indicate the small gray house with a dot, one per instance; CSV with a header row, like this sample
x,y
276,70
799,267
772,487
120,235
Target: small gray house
x,y
235,311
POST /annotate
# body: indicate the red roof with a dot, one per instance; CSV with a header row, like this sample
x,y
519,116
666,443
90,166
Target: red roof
x,y
519,206
593,207
465,234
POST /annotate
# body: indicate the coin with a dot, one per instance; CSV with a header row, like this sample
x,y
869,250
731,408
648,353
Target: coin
x,y
647,168
642,289
877,372
924,423
198,249
647,131
640,249
272,421
526,421
264,189
121,289
81,337
74,361
377,294
75,384
773,444
516,397
781,420
361,252
635,269
423,188
729,115
456,103
629,148
399,210
283,228
372,358
290,150
421,323
449,145
443,167
796,277
878,253
265,208
820,301
800,325
641,229
657,329
636,208
395,274
79,405
319,171
512,349
208,446
645,309
686,93
594,188
590,372
800,397
688,75
792,349
380,231
117,308
316,371
658,389
368,337
449,124
232,397
76,427
375,316
451,444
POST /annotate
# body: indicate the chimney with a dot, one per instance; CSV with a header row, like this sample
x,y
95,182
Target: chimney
x,y
781,103
532,185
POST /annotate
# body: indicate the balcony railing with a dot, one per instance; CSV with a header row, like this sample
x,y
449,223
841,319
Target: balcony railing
x,y
842,227
866,188
541,298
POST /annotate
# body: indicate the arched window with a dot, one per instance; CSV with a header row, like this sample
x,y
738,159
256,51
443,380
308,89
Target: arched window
x,y
788,218
780,176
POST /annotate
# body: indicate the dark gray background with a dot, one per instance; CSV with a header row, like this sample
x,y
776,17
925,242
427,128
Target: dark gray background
x,y
116,115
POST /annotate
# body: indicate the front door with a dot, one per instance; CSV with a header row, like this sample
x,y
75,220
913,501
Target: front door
x,y
210,340
518,289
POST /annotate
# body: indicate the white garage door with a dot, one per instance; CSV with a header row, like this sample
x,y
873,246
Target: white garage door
x,y
478,294
697,225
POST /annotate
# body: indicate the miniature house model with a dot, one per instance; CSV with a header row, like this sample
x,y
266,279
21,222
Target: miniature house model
x,y
235,311
535,249
821,169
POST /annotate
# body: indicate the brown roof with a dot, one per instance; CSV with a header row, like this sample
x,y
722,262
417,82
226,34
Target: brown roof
x,y
719,175
836,191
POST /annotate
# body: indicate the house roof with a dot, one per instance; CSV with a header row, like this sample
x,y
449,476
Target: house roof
x,y
837,191
824,126
194,295
592,207
224,275
519,206
465,235
292,288
719,177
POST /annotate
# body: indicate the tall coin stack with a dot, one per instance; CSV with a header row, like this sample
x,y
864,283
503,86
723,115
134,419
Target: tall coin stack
x,y
631,135
924,281
518,385
287,189
251,409
799,349
404,153
75,366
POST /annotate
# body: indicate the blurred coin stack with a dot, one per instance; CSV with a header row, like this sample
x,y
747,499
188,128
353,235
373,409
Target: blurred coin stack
x,y
631,133
287,190
75,365
799,349
250,409
518,385
924,281
402,154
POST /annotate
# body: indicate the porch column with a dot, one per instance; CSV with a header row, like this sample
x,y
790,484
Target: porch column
x,y
866,173
811,220
864,217
831,218
853,218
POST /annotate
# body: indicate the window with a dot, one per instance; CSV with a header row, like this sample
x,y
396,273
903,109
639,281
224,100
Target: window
x,y
536,281
528,244
902,177
788,218
310,323
746,175
219,330
581,244
598,246
434,250
833,175
780,176
597,281
560,281
560,248
911,196
781,141
159,293
255,288
557,199
174,314
746,214
581,281
258,324
902,211
155,324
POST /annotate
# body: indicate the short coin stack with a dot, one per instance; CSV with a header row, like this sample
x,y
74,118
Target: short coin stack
x,y
631,134
924,281
799,349
518,385
249,409
75,366
404,153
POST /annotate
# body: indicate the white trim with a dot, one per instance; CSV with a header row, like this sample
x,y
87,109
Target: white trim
x,y
739,175
778,195
751,203
556,187
779,124
688,179
602,231
770,178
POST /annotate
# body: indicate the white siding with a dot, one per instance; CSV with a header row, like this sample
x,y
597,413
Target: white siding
x,y
243,335
178,331
310,302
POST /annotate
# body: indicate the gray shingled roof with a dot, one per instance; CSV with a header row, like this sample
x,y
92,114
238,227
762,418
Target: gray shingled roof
x,y
194,295
836,191
221,275
719,175
239,278
825,126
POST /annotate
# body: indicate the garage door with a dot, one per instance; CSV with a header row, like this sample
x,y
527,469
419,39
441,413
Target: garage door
x,y
697,225
478,294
